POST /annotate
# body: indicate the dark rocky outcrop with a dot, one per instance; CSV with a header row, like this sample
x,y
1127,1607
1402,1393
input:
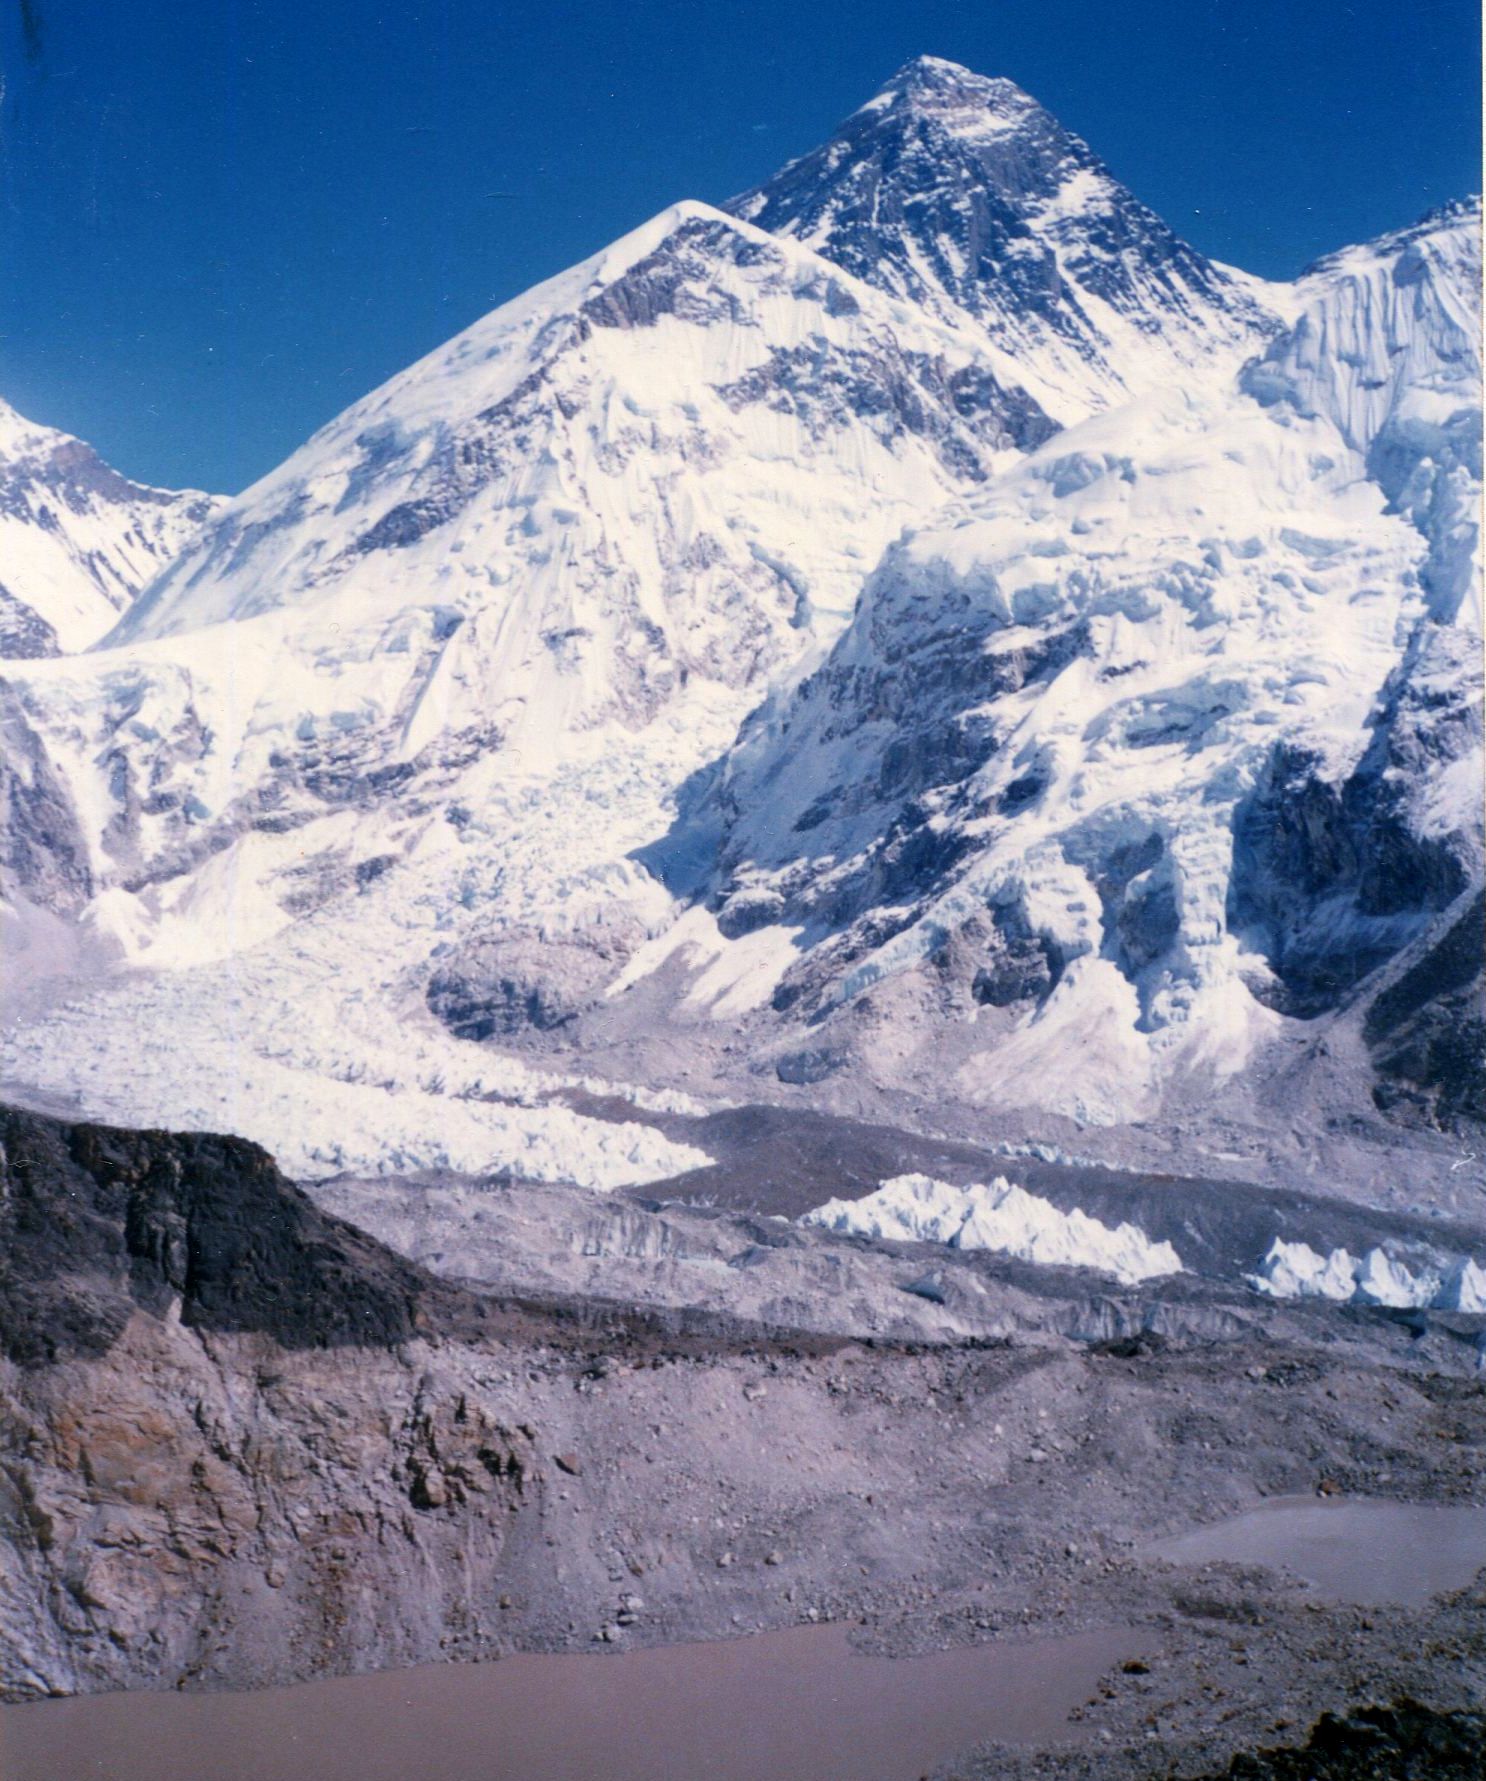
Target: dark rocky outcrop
x,y
1331,879
43,856
1427,1029
24,634
1401,1742
95,1222
520,983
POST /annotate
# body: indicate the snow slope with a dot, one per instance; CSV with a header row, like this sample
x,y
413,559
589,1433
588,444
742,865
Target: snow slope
x,y
77,540
589,438
1170,733
409,704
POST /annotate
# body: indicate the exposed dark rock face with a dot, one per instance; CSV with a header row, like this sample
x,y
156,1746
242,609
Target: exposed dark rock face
x,y
1427,1029
95,1222
827,387
514,983
1331,879
24,634
944,190
76,476
1020,963
676,280
896,392
43,857
214,1439
920,716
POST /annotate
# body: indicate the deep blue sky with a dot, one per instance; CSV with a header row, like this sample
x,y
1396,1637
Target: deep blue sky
x,y
224,219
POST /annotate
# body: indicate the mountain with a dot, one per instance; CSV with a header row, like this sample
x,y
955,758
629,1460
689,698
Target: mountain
x,y
635,493
451,661
606,415
1156,750
77,540
961,194
924,640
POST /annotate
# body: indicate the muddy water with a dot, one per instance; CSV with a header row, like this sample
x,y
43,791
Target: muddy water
x,y
797,1705
1373,1553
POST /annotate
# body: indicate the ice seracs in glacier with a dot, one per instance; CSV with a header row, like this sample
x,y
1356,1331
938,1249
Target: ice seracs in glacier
x,y
1000,1216
77,540
1296,1271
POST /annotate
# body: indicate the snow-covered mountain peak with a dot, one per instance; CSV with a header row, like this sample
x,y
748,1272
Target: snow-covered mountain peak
x,y
77,539
972,103
690,345
589,529
1112,710
962,193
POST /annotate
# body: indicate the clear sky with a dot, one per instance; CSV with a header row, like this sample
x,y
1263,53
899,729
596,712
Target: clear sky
x,y
225,219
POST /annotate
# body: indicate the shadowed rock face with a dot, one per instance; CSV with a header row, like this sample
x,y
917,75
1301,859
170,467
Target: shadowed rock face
x,y
96,1222
212,1407
24,633
1330,880
1427,1029
43,856
493,987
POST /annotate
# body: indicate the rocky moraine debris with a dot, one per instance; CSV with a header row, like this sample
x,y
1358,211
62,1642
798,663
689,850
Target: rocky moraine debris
x,y
242,1442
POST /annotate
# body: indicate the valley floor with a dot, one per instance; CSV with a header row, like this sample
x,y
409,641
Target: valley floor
x,y
204,1489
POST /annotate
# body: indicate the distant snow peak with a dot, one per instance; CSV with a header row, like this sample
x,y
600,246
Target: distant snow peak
x,y
999,1216
77,540
931,84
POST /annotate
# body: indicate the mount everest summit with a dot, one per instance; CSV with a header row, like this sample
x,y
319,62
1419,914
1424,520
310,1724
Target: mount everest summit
x,y
919,637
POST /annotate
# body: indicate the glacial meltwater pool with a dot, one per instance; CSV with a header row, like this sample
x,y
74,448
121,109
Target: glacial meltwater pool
x,y
1372,1553
797,1705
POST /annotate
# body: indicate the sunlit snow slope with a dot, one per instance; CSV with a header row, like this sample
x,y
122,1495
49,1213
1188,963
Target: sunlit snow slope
x,y
424,689
1170,735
